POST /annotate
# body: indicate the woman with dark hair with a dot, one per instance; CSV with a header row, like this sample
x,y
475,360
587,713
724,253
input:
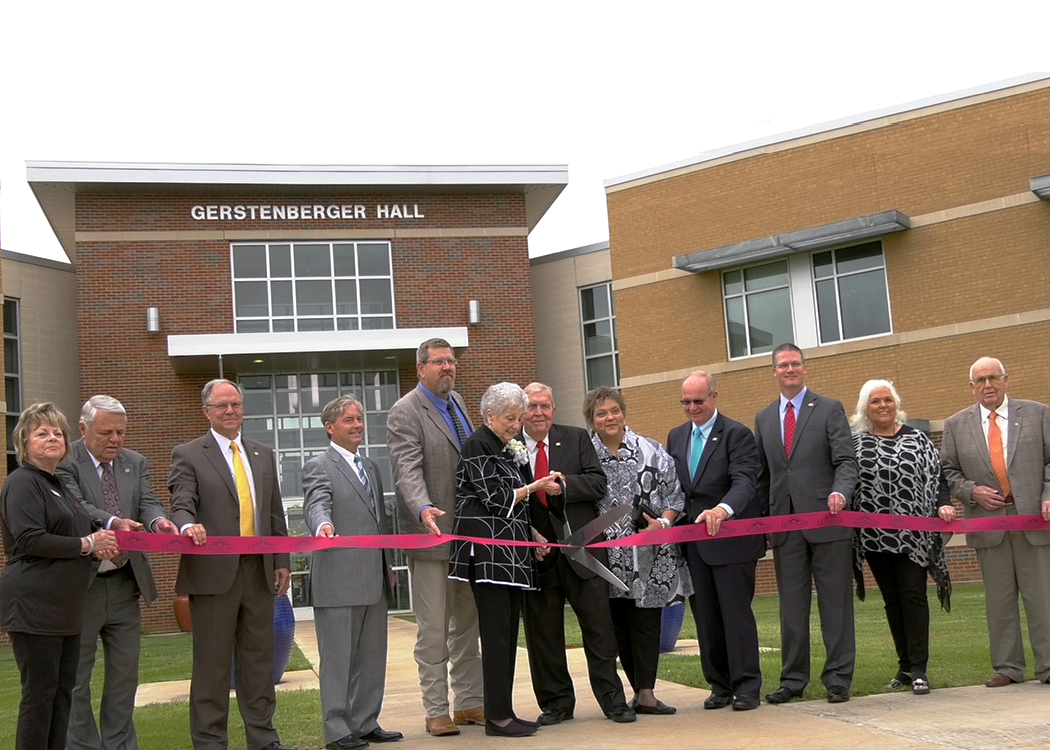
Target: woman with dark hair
x,y
492,503
900,473
43,588
640,473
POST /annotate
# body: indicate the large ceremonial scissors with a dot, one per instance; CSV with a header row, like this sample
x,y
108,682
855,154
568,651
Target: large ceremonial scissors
x,y
587,534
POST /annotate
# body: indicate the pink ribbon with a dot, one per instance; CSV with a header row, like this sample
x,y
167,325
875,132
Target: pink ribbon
x,y
235,545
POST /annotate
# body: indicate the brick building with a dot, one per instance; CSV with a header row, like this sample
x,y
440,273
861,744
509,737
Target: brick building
x,y
301,283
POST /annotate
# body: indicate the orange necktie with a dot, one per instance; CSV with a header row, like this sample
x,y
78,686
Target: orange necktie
x,y
995,452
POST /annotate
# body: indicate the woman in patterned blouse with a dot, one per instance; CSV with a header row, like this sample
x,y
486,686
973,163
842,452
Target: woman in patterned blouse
x,y
639,471
900,473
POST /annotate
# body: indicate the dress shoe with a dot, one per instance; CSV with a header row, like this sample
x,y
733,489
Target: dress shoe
x,y
526,722
347,743
381,735
660,709
999,680
470,716
441,726
838,694
717,701
745,702
553,716
514,729
621,714
781,695
276,745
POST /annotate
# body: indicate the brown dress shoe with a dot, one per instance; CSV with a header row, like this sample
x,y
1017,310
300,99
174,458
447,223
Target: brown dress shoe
x,y
999,680
441,726
470,716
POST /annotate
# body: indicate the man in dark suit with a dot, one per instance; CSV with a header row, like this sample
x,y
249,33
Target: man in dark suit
x,y
568,451
996,458
349,587
216,492
113,485
717,463
808,466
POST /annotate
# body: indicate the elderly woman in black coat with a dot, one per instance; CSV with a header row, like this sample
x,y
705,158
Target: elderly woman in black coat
x,y
492,503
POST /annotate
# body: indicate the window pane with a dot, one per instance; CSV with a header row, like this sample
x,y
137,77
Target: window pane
x,y
377,324
283,325
736,327
317,389
257,402
858,258
376,297
346,324
769,320
253,326
765,277
346,297
11,317
314,435
11,358
315,324
259,428
597,338
344,259
291,475
351,383
14,403
312,260
313,298
600,372
288,432
249,262
251,299
380,392
822,267
865,311
281,298
827,311
374,259
595,302
733,282
280,261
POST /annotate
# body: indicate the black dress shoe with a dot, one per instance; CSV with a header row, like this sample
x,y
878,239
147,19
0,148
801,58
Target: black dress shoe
x,y
781,695
745,702
621,714
660,709
278,746
553,716
717,701
347,743
381,735
527,723
838,695
513,729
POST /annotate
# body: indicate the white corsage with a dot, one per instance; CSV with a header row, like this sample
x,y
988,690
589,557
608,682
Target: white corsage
x,y
518,452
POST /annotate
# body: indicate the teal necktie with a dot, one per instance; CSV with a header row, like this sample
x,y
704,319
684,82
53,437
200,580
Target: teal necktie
x,y
695,451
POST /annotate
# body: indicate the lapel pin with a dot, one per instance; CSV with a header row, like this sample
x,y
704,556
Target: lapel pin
x,y
557,445
714,439
127,471
810,404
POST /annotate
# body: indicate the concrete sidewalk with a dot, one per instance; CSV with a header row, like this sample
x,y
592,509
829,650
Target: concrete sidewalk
x,y
970,718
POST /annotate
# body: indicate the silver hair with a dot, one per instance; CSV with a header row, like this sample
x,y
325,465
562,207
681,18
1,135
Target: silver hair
x,y
338,406
540,388
501,397
95,404
1002,369
708,378
423,352
859,421
211,385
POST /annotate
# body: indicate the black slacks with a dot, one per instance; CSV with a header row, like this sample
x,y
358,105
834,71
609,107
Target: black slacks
x,y
903,587
48,666
637,631
499,610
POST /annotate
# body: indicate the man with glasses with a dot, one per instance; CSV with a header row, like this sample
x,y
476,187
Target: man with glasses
x,y
807,465
996,457
223,484
426,430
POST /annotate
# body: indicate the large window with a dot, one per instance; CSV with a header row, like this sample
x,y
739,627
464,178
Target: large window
x,y
12,375
823,298
284,412
312,286
600,350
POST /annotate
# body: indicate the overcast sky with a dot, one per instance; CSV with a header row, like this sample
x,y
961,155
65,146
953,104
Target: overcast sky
x,y
608,88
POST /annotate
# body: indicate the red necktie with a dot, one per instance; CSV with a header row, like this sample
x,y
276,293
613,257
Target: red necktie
x,y
542,470
789,429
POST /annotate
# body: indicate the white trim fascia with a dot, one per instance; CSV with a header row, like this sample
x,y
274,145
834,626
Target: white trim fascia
x,y
214,344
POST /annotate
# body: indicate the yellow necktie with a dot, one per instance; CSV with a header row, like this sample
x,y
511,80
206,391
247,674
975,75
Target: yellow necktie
x,y
995,451
244,493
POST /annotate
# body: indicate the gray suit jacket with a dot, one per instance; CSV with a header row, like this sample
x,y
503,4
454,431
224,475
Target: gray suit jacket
x,y
334,494
822,461
137,501
425,457
966,463
203,491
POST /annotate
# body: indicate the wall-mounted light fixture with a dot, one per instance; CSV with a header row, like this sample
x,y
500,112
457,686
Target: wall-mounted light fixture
x,y
153,319
473,312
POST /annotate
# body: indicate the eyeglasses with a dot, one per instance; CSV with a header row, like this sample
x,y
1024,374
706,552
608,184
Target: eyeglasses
x,y
442,362
687,402
989,379
226,405
788,365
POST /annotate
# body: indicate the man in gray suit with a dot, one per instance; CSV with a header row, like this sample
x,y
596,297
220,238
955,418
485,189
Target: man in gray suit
x,y
216,492
808,466
425,432
113,485
996,457
349,587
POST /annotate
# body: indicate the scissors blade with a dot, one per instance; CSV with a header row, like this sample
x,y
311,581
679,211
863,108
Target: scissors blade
x,y
587,560
587,533
592,530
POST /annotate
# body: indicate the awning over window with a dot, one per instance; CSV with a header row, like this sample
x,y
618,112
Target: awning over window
x,y
814,238
1041,187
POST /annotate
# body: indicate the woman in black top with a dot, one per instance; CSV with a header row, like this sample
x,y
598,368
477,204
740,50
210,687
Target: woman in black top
x,y
43,588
